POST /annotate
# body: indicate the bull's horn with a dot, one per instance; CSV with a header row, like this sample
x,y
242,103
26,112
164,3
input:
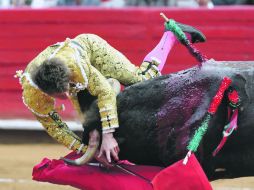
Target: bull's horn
x,y
93,144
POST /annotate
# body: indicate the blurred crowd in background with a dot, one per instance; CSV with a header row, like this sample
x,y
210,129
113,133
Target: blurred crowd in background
x,y
121,3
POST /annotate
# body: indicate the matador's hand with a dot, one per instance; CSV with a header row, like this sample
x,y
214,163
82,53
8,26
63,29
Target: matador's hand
x,y
102,159
109,147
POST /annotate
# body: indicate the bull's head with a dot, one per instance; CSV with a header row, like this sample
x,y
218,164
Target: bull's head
x,y
91,124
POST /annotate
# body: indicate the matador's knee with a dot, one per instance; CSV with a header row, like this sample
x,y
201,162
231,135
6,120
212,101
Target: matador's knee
x,y
150,69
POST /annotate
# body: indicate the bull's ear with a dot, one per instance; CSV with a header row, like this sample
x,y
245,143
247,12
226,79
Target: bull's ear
x,y
91,121
90,127
85,135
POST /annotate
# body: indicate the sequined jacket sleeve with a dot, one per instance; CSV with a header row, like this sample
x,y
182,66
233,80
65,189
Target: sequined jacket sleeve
x,y
43,107
99,86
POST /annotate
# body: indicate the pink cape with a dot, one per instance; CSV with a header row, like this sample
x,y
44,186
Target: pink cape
x,y
176,176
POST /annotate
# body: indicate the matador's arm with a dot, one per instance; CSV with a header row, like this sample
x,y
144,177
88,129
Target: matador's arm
x,y
86,76
99,86
42,106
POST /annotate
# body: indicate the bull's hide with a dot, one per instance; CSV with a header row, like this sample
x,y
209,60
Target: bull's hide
x,y
159,116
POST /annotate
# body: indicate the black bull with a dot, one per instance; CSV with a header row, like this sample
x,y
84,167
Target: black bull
x,y
158,118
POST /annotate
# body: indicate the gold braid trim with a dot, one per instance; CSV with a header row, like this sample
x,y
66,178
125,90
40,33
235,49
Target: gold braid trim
x,y
55,116
36,101
62,133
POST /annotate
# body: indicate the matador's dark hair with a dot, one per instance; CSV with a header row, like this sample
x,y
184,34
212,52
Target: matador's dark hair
x,y
52,76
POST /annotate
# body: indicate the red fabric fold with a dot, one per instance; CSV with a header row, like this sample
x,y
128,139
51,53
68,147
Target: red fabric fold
x,y
93,177
174,177
182,177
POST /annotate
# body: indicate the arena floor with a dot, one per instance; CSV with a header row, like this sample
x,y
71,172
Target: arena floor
x,y
18,156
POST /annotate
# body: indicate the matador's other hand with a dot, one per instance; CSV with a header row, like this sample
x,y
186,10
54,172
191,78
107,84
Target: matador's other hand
x,y
109,147
103,160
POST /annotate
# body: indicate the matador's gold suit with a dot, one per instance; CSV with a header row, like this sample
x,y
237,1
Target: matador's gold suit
x,y
91,61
